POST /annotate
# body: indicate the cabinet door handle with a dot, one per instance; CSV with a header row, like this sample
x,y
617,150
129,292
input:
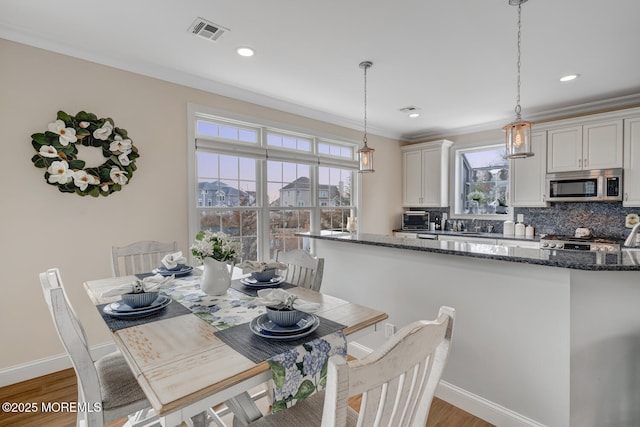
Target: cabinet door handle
x,y
585,162
580,162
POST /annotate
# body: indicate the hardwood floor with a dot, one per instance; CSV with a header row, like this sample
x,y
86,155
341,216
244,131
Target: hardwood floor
x,y
61,387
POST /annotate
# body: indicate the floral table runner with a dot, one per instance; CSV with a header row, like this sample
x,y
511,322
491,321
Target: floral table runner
x,y
298,368
302,370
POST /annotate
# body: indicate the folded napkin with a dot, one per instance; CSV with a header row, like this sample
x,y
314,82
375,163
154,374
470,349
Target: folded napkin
x,y
148,284
257,266
171,261
272,297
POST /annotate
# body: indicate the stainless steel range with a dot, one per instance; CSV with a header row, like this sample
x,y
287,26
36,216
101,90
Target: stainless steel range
x,y
579,243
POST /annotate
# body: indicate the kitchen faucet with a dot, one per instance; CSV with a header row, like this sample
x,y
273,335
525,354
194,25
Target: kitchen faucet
x,y
631,239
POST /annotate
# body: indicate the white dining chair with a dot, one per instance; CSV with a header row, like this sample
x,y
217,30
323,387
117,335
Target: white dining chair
x,y
139,257
397,382
107,381
302,269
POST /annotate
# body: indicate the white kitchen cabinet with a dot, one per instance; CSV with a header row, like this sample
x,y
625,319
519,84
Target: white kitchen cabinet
x,y
425,174
631,162
405,234
468,239
519,243
595,145
528,175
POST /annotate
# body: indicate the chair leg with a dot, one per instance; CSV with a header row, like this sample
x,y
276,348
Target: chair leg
x,y
143,418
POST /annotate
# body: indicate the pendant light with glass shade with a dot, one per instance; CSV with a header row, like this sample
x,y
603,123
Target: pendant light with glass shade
x,y
365,153
518,138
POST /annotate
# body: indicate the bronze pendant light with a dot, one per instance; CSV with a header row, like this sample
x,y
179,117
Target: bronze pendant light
x,y
518,137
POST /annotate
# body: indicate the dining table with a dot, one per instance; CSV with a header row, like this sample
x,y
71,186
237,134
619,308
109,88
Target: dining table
x,y
186,357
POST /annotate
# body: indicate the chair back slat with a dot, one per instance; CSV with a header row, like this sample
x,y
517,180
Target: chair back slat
x,y
303,269
139,257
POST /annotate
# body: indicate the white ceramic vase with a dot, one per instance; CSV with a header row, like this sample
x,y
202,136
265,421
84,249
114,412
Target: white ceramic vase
x,y
216,278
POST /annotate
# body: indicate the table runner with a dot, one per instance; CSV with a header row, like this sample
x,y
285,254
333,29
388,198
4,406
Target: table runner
x,y
298,367
302,371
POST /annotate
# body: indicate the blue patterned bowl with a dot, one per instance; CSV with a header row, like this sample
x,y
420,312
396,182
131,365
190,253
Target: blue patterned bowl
x,y
284,317
264,275
141,299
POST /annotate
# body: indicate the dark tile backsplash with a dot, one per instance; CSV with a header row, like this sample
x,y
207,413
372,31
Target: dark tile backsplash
x,y
604,219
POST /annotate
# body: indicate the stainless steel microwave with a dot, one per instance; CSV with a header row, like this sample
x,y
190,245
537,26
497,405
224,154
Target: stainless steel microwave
x,y
415,220
602,185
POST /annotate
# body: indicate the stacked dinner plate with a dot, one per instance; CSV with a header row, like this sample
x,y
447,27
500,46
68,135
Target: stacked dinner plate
x,y
122,311
182,271
254,284
265,328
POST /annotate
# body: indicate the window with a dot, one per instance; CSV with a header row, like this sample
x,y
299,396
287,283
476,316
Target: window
x,y
482,181
263,185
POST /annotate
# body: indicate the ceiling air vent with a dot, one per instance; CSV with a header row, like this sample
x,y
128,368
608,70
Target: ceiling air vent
x,y
206,29
409,109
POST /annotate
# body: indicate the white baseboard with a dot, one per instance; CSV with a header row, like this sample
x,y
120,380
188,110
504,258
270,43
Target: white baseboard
x,y
469,402
483,408
37,368
358,350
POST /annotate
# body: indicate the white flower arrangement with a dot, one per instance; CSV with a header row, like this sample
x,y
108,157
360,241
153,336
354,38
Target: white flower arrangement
x,y
218,246
56,152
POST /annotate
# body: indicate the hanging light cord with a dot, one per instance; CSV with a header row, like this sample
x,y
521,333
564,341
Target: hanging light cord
x,y
364,138
517,109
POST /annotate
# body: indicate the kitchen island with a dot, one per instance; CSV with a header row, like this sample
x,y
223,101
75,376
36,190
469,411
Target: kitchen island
x,y
540,340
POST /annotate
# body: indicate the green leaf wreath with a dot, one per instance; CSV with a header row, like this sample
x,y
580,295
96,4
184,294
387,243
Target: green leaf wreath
x,y
56,150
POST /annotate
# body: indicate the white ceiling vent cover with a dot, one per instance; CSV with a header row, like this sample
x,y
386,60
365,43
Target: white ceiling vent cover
x,y
207,30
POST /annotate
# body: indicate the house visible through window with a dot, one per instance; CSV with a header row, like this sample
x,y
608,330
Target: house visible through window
x,y
482,181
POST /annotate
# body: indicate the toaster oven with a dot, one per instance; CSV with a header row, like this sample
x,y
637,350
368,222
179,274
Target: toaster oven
x,y
415,220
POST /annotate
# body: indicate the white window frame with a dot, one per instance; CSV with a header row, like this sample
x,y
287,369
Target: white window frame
x,y
264,153
458,191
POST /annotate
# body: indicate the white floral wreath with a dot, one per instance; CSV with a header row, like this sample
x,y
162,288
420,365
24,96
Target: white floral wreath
x,y
57,152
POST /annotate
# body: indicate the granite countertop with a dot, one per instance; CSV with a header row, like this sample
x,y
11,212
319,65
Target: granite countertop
x,y
483,235
625,260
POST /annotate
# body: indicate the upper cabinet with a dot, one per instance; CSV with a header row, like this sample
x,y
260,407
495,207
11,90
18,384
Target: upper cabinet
x,y
595,145
528,175
425,174
631,162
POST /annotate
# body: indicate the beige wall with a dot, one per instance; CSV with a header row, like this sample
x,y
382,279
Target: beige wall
x,y
42,228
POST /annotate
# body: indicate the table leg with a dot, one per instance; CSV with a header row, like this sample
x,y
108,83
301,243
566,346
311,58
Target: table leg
x,y
199,420
244,409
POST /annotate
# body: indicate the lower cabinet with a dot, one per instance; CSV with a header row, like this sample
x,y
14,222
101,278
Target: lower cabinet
x,y
405,234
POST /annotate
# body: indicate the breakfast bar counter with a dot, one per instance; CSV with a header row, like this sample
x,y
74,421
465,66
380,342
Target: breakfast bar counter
x,y
624,260
540,340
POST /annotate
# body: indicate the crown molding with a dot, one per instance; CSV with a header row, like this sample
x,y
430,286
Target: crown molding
x,y
594,107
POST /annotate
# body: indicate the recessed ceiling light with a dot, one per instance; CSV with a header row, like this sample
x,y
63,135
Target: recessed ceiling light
x,y
569,77
414,115
245,51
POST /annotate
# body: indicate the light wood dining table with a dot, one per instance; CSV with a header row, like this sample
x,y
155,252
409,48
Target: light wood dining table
x,y
185,369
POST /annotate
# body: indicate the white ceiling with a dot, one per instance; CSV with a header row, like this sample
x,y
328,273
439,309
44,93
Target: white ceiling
x,y
455,60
